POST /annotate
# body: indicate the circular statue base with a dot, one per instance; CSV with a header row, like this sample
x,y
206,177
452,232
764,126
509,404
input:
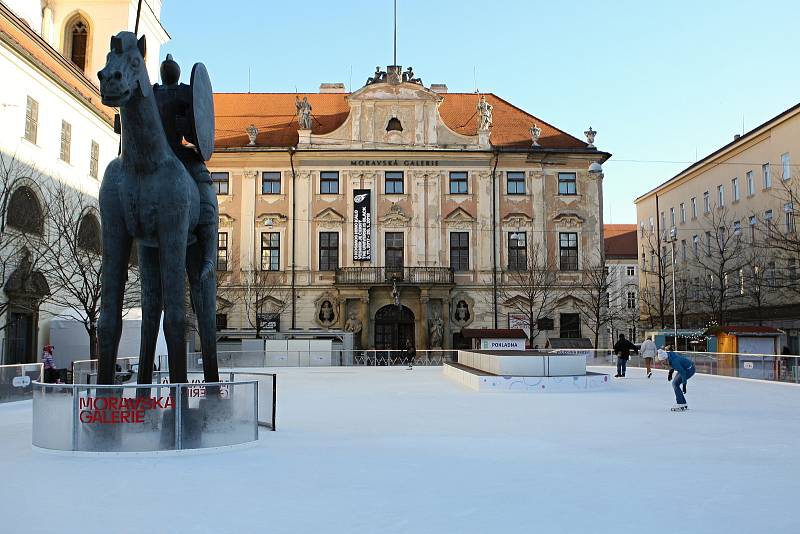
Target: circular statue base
x,y
156,418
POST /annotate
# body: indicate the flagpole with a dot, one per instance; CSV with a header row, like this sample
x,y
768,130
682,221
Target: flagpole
x,y
395,32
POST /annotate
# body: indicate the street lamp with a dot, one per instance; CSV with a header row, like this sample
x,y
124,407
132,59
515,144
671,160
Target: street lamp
x,y
673,237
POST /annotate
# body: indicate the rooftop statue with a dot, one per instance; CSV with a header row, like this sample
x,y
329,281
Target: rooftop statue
x,y
158,193
484,114
303,112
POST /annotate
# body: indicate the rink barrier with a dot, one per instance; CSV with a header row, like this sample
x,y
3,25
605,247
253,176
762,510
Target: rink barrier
x,y
16,381
322,358
148,418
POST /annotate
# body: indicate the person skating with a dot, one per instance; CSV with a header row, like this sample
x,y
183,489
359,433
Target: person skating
x,y
623,348
684,367
648,351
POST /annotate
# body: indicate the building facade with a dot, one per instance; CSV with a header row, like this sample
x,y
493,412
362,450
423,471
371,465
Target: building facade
x,y
54,131
622,262
729,223
399,212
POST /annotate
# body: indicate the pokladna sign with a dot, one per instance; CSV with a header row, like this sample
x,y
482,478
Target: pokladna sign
x,y
362,225
502,344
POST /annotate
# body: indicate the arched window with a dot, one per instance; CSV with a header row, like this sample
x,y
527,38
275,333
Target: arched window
x,y
25,212
394,125
89,234
76,41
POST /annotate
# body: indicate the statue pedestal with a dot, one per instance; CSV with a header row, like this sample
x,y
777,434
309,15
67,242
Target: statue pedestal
x,y
483,138
304,138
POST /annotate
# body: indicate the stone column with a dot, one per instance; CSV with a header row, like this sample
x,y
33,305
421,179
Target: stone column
x,y
424,319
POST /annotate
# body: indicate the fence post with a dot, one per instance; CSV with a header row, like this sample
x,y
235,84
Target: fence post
x,y
75,417
178,417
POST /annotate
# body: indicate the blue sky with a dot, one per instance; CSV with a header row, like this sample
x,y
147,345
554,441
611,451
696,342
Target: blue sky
x,y
660,81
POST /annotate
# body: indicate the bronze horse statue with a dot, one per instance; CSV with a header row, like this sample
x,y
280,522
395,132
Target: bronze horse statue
x,y
148,196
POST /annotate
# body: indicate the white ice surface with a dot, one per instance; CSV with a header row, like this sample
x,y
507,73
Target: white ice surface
x,y
384,450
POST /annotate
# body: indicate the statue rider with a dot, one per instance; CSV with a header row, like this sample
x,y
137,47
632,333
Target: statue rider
x,y
174,103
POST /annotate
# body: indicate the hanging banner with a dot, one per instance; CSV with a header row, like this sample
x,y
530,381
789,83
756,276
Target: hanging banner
x,y
362,225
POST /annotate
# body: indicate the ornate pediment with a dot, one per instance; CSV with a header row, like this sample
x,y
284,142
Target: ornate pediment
x,y
459,218
226,221
517,220
271,219
330,218
395,217
568,220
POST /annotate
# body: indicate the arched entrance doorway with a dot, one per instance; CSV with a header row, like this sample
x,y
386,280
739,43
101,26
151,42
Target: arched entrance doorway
x,y
394,326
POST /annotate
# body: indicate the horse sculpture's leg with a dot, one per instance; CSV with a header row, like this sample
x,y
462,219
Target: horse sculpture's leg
x,y
152,304
172,256
116,252
204,303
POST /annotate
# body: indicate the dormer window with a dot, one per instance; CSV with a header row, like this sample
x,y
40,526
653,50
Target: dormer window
x,y
394,125
76,41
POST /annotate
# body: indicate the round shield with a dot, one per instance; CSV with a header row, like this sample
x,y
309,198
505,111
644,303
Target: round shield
x,y
202,110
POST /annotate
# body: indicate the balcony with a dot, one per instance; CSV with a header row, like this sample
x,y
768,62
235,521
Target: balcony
x,y
364,276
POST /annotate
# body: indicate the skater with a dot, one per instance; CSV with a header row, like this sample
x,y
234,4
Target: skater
x,y
623,348
648,353
411,353
684,367
50,371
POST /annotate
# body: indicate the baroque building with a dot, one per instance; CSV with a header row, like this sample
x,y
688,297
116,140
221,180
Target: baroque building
x,y
397,211
55,131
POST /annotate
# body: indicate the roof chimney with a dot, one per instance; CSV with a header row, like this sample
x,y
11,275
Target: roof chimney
x,y
331,88
439,88
736,137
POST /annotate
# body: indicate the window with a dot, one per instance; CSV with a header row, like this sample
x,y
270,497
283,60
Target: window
x,y
394,125
641,228
741,281
94,157
683,249
545,323
31,120
517,251
568,250
644,262
694,207
77,40
663,223
222,251
329,182
788,211
570,325
735,189
459,251
66,141
270,183
328,251
786,164
393,182
683,213
752,222
630,270
270,251
458,183
89,234
222,321
515,183
737,228
652,227
706,202
394,250
750,185
25,212
672,216
768,218
220,182
720,196
765,172
652,261
631,300
696,245
567,183
791,269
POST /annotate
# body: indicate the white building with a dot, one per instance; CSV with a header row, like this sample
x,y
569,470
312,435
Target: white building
x,y
620,249
54,126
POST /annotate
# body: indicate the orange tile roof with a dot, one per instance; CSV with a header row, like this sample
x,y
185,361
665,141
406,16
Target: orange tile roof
x,y
274,116
620,241
28,43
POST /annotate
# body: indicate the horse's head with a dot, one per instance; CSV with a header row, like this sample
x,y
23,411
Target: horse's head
x,y
125,71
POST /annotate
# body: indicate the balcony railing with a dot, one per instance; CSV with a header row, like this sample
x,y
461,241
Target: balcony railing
x,y
385,275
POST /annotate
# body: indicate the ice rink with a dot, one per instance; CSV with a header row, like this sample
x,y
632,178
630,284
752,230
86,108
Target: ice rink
x,y
379,450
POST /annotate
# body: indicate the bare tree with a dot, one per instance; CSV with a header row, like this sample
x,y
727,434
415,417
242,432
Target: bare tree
x,y
655,298
72,258
531,293
598,302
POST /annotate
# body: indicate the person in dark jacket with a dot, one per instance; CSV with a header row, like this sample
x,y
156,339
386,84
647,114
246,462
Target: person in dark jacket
x,y
684,367
623,348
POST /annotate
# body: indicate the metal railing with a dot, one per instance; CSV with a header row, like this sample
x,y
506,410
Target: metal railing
x,y
16,381
321,358
403,275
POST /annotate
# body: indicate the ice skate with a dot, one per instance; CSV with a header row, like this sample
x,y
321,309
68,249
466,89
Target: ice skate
x,y
649,374
680,407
